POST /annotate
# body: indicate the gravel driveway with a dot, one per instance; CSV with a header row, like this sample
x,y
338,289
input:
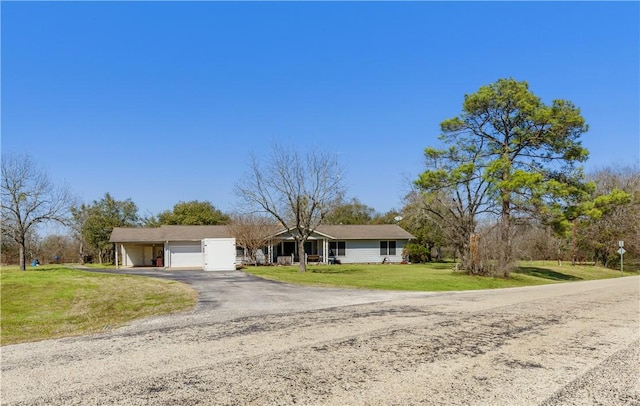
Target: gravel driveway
x,y
567,344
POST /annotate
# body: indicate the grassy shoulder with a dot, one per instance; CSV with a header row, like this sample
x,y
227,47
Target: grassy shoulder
x,y
428,277
52,301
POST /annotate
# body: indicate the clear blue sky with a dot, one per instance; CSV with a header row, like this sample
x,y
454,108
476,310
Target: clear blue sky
x,y
162,102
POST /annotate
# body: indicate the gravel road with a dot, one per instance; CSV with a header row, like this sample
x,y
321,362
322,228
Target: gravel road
x,y
567,344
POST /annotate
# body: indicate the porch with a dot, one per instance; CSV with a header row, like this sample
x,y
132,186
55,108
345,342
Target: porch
x,y
285,252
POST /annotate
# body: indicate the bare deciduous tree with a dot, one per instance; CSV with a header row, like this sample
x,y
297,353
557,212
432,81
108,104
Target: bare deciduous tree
x,y
57,249
252,232
29,198
618,222
296,189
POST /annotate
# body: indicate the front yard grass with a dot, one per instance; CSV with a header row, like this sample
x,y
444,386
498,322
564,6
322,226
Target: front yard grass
x,y
428,277
52,301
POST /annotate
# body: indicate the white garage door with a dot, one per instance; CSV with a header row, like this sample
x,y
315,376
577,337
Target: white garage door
x,y
186,255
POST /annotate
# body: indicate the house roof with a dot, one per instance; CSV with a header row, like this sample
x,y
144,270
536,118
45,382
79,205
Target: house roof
x,y
168,233
127,234
196,233
365,232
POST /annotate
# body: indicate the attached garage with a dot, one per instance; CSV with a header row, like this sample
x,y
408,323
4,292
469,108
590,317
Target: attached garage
x,y
211,248
184,254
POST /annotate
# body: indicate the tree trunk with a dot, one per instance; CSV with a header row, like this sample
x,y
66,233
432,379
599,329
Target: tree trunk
x,y
504,260
301,257
475,264
23,255
81,252
429,249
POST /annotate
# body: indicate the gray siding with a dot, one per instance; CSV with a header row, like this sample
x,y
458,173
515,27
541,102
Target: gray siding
x,y
368,251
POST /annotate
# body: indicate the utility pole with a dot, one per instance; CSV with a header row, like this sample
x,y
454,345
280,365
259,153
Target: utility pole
x,y
575,251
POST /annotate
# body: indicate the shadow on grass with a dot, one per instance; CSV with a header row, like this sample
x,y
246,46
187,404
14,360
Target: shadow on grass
x,y
546,274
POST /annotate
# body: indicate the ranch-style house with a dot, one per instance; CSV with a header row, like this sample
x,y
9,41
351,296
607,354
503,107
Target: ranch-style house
x,y
214,247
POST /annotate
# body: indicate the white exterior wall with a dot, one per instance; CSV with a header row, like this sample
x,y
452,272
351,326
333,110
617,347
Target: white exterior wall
x,y
132,255
219,254
368,251
183,254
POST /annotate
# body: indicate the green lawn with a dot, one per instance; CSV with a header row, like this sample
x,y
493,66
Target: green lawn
x,y
53,301
427,277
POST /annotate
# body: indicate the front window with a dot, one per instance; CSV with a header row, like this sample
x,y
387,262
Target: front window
x,y
337,248
387,248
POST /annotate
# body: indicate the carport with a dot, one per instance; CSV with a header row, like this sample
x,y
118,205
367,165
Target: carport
x,y
204,247
138,247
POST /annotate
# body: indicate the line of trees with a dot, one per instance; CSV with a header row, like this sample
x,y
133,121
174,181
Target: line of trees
x,y
506,184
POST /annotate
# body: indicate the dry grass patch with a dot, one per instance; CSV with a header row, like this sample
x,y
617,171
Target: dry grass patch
x,y
53,301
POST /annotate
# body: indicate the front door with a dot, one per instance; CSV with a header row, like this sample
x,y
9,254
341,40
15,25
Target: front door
x,y
147,256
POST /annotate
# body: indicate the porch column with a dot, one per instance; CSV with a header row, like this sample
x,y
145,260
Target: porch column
x,y
325,251
167,257
117,256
